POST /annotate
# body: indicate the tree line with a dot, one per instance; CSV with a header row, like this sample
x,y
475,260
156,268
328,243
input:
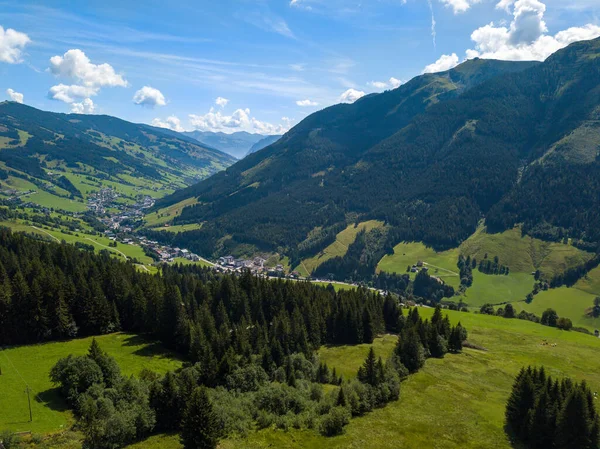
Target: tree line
x,y
542,412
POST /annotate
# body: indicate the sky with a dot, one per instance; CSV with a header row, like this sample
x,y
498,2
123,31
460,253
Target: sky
x,y
258,65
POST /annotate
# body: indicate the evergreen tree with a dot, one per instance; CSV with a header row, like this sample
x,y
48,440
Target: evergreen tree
x,y
411,351
199,426
520,402
574,425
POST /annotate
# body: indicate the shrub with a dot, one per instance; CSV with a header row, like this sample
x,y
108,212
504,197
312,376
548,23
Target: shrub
x,y
333,422
565,324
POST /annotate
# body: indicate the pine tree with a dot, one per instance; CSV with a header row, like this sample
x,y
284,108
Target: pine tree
x,y
367,373
520,402
367,324
199,425
411,351
573,426
341,399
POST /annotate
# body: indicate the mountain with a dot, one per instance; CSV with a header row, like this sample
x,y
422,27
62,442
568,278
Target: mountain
x,y
58,152
299,189
263,143
237,144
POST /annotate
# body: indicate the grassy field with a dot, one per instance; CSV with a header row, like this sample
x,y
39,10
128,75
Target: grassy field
x,y
339,248
590,283
522,254
29,366
165,215
179,228
407,254
568,302
184,261
336,286
497,289
456,402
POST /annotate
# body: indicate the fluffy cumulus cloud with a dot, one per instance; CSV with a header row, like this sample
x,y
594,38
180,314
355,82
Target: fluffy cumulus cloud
x,y
222,102
149,97
86,106
351,95
70,93
446,62
75,65
86,77
307,103
526,38
11,45
172,122
459,6
392,83
14,96
240,120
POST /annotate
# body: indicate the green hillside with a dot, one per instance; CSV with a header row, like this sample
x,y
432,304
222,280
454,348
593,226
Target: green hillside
x,y
458,401
300,182
58,160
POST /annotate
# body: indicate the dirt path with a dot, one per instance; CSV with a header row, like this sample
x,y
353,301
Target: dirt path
x,y
45,232
443,269
107,247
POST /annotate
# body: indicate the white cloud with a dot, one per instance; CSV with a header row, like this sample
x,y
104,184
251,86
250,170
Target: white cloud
x,y
71,93
525,38
298,67
307,103
392,83
75,65
351,95
240,120
433,23
14,96
220,101
87,106
87,78
446,62
172,122
460,6
150,97
11,45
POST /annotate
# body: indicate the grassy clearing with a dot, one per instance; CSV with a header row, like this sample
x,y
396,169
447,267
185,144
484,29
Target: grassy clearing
x,y
568,302
590,283
336,286
442,265
497,289
30,365
180,228
184,261
456,402
338,248
166,214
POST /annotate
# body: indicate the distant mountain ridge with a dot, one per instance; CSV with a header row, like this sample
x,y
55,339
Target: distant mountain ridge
x,y
237,144
264,143
35,143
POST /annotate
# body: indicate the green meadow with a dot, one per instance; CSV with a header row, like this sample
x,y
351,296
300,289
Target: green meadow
x,y
456,402
30,365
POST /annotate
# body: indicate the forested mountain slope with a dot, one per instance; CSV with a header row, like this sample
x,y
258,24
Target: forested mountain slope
x,y
274,198
34,143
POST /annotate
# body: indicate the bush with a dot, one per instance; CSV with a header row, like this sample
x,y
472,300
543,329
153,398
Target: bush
x,y
565,324
333,423
9,439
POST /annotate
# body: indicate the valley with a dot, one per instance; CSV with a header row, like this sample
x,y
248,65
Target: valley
x,y
417,266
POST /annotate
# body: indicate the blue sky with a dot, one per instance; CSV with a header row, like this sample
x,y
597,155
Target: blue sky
x,y
257,65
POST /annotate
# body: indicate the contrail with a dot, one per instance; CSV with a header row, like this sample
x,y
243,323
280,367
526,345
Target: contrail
x,y
433,33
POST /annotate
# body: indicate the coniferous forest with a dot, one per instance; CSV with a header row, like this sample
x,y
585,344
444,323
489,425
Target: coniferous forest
x,y
543,412
250,341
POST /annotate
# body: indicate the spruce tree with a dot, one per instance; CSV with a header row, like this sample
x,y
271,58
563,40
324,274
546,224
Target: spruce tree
x,y
199,425
574,426
520,402
411,351
367,374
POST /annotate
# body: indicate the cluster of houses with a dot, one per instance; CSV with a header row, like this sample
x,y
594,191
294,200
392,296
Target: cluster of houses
x,y
114,221
98,202
419,266
256,265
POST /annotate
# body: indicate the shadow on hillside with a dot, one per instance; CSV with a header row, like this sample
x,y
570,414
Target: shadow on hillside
x,y
148,348
52,399
514,443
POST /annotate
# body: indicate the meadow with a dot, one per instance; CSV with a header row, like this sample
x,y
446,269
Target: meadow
x,y
30,365
455,402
